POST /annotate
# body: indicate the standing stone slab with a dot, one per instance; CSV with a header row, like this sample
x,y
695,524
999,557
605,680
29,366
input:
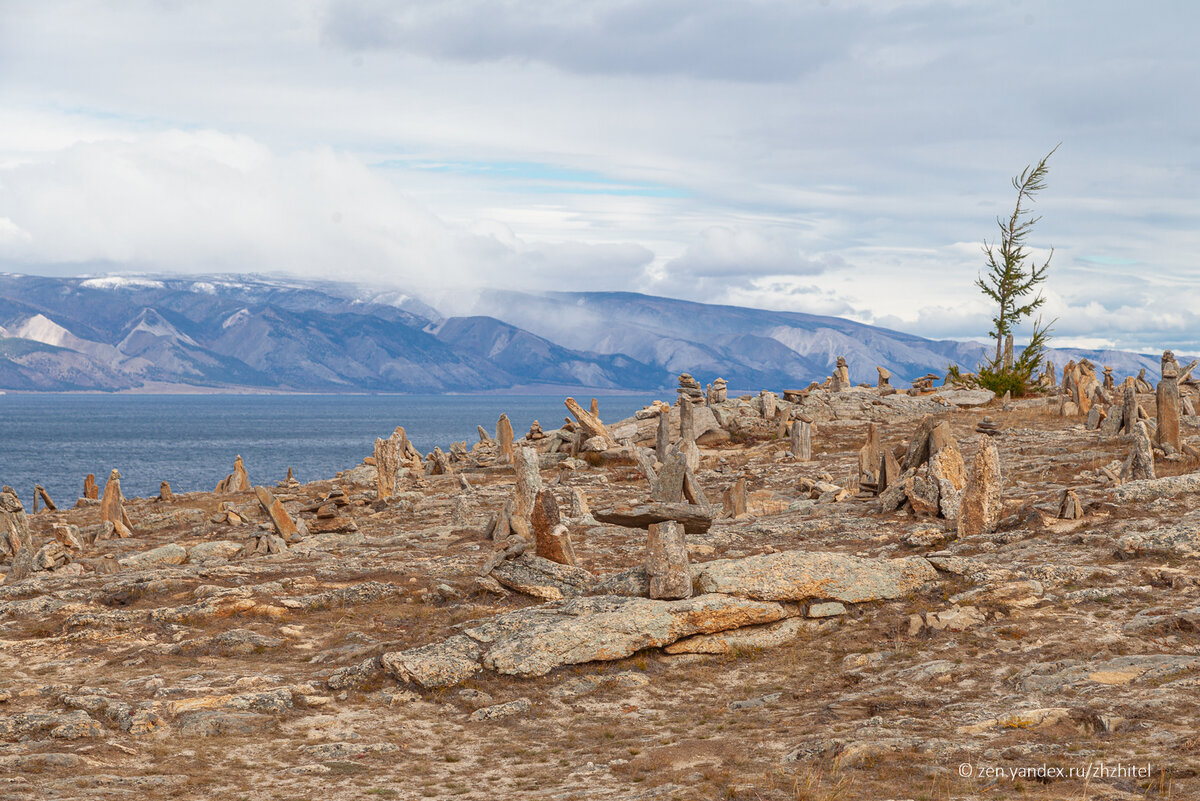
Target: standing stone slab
x,y
980,509
285,527
504,434
237,481
90,490
389,459
14,525
769,404
1129,408
667,562
662,441
802,440
112,507
669,488
687,421
734,501
1142,466
528,485
869,460
1166,432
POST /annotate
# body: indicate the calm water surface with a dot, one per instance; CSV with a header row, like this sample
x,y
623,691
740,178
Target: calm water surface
x,y
191,440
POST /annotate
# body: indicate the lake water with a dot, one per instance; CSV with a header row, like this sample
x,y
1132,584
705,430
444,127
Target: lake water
x,y
191,440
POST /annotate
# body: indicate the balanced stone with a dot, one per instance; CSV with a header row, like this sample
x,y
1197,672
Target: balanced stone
x,y
885,377
164,492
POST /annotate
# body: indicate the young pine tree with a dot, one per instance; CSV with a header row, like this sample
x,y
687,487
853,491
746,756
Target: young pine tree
x,y
1012,276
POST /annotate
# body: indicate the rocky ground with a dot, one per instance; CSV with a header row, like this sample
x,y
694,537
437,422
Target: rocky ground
x,y
830,650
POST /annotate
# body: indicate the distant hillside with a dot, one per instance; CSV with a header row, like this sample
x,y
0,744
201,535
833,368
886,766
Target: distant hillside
x,y
236,333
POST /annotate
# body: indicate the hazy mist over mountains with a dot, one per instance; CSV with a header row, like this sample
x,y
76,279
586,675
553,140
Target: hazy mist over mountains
x,y
237,333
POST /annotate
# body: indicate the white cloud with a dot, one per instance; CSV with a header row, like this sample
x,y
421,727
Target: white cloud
x,y
846,158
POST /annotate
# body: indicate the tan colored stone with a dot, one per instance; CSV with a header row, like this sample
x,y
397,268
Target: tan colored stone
x,y
981,507
285,527
112,507
667,562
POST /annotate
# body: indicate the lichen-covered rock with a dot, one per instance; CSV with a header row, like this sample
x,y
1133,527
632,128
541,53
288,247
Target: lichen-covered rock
x,y
543,578
608,627
439,664
1181,540
171,554
980,508
741,640
804,575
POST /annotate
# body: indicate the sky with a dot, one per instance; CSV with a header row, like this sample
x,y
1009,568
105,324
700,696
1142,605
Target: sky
x,y
832,157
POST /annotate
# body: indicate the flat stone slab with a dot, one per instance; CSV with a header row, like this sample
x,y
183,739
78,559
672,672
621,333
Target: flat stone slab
x,y
536,640
967,398
695,519
1180,540
804,575
1151,488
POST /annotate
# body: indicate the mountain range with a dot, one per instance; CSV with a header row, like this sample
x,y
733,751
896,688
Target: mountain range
x,y
240,333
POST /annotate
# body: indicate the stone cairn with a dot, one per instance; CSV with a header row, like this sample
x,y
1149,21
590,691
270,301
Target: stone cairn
x,y
718,392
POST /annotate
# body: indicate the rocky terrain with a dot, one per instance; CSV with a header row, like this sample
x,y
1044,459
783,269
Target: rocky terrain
x,y
841,592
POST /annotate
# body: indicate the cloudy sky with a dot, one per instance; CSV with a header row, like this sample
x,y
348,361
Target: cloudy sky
x,y
829,156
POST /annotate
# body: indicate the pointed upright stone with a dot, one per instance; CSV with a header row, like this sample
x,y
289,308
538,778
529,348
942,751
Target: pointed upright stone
x,y
1129,408
869,459
1069,507
669,488
504,435
1142,466
687,420
528,485
734,499
90,490
237,481
662,441
980,509
389,460
1166,432
112,507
